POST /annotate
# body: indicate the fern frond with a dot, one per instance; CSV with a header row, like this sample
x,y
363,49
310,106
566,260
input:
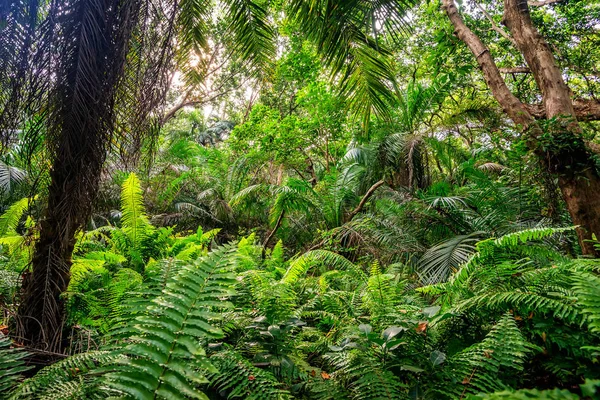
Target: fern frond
x,y
166,358
490,365
134,221
527,394
11,366
587,289
364,376
300,266
237,378
11,217
524,236
64,378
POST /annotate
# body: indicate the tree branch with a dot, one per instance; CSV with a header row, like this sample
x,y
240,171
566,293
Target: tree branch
x,y
366,197
533,3
508,101
495,27
585,110
268,239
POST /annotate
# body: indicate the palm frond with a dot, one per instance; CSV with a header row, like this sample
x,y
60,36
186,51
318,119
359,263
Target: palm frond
x,y
441,260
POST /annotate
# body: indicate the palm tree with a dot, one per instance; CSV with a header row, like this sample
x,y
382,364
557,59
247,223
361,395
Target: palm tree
x,y
348,36
81,76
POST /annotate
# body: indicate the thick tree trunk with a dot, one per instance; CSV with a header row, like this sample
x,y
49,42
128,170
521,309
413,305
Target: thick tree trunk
x,y
79,129
42,310
566,156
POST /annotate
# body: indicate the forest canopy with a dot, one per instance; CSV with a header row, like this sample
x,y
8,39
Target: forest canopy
x,y
300,199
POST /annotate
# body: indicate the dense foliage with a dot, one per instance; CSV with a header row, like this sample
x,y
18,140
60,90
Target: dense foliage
x,y
297,200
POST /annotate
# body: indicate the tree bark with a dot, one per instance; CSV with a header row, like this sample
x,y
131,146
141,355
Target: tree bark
x,y
566,156
585,110
79,129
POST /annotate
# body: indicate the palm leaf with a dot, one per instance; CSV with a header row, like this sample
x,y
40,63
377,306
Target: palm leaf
x,y
440,260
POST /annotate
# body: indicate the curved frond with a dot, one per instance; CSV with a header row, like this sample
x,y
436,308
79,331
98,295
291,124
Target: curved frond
x,y
300,266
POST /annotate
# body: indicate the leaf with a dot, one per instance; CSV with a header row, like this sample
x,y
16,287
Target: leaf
x,y
325,375
365,328
437,357
392,331
411,368
431,311
421,327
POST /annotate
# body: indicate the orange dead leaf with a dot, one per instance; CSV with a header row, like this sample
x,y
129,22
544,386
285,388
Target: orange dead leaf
x,y
422,327
325,375
313,373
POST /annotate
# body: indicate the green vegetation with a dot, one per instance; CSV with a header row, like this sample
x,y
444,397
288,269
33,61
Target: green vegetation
x,y
301,199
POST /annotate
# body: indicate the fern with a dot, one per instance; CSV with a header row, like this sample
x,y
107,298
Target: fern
x,y
364,377
490,365
300,266
12,364
236,378
587,290
166,358
527,394
524,236
11,217
67,379
134,221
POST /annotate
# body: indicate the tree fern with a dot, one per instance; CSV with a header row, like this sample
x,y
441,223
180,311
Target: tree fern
x,y
166,358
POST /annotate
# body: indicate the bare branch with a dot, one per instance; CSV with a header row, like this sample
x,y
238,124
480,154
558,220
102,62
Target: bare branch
x,y
515,70
495,27
585,110
365,198
541,3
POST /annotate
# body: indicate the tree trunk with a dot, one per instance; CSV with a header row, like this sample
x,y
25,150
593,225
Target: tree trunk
x,y
566,156
79,129
42,310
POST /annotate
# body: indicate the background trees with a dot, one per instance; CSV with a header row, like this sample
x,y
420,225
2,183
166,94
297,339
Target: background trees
x,y
388,228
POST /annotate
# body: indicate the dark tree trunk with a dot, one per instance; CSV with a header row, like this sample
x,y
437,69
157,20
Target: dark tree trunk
x,y
42,309
567,156
90,59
